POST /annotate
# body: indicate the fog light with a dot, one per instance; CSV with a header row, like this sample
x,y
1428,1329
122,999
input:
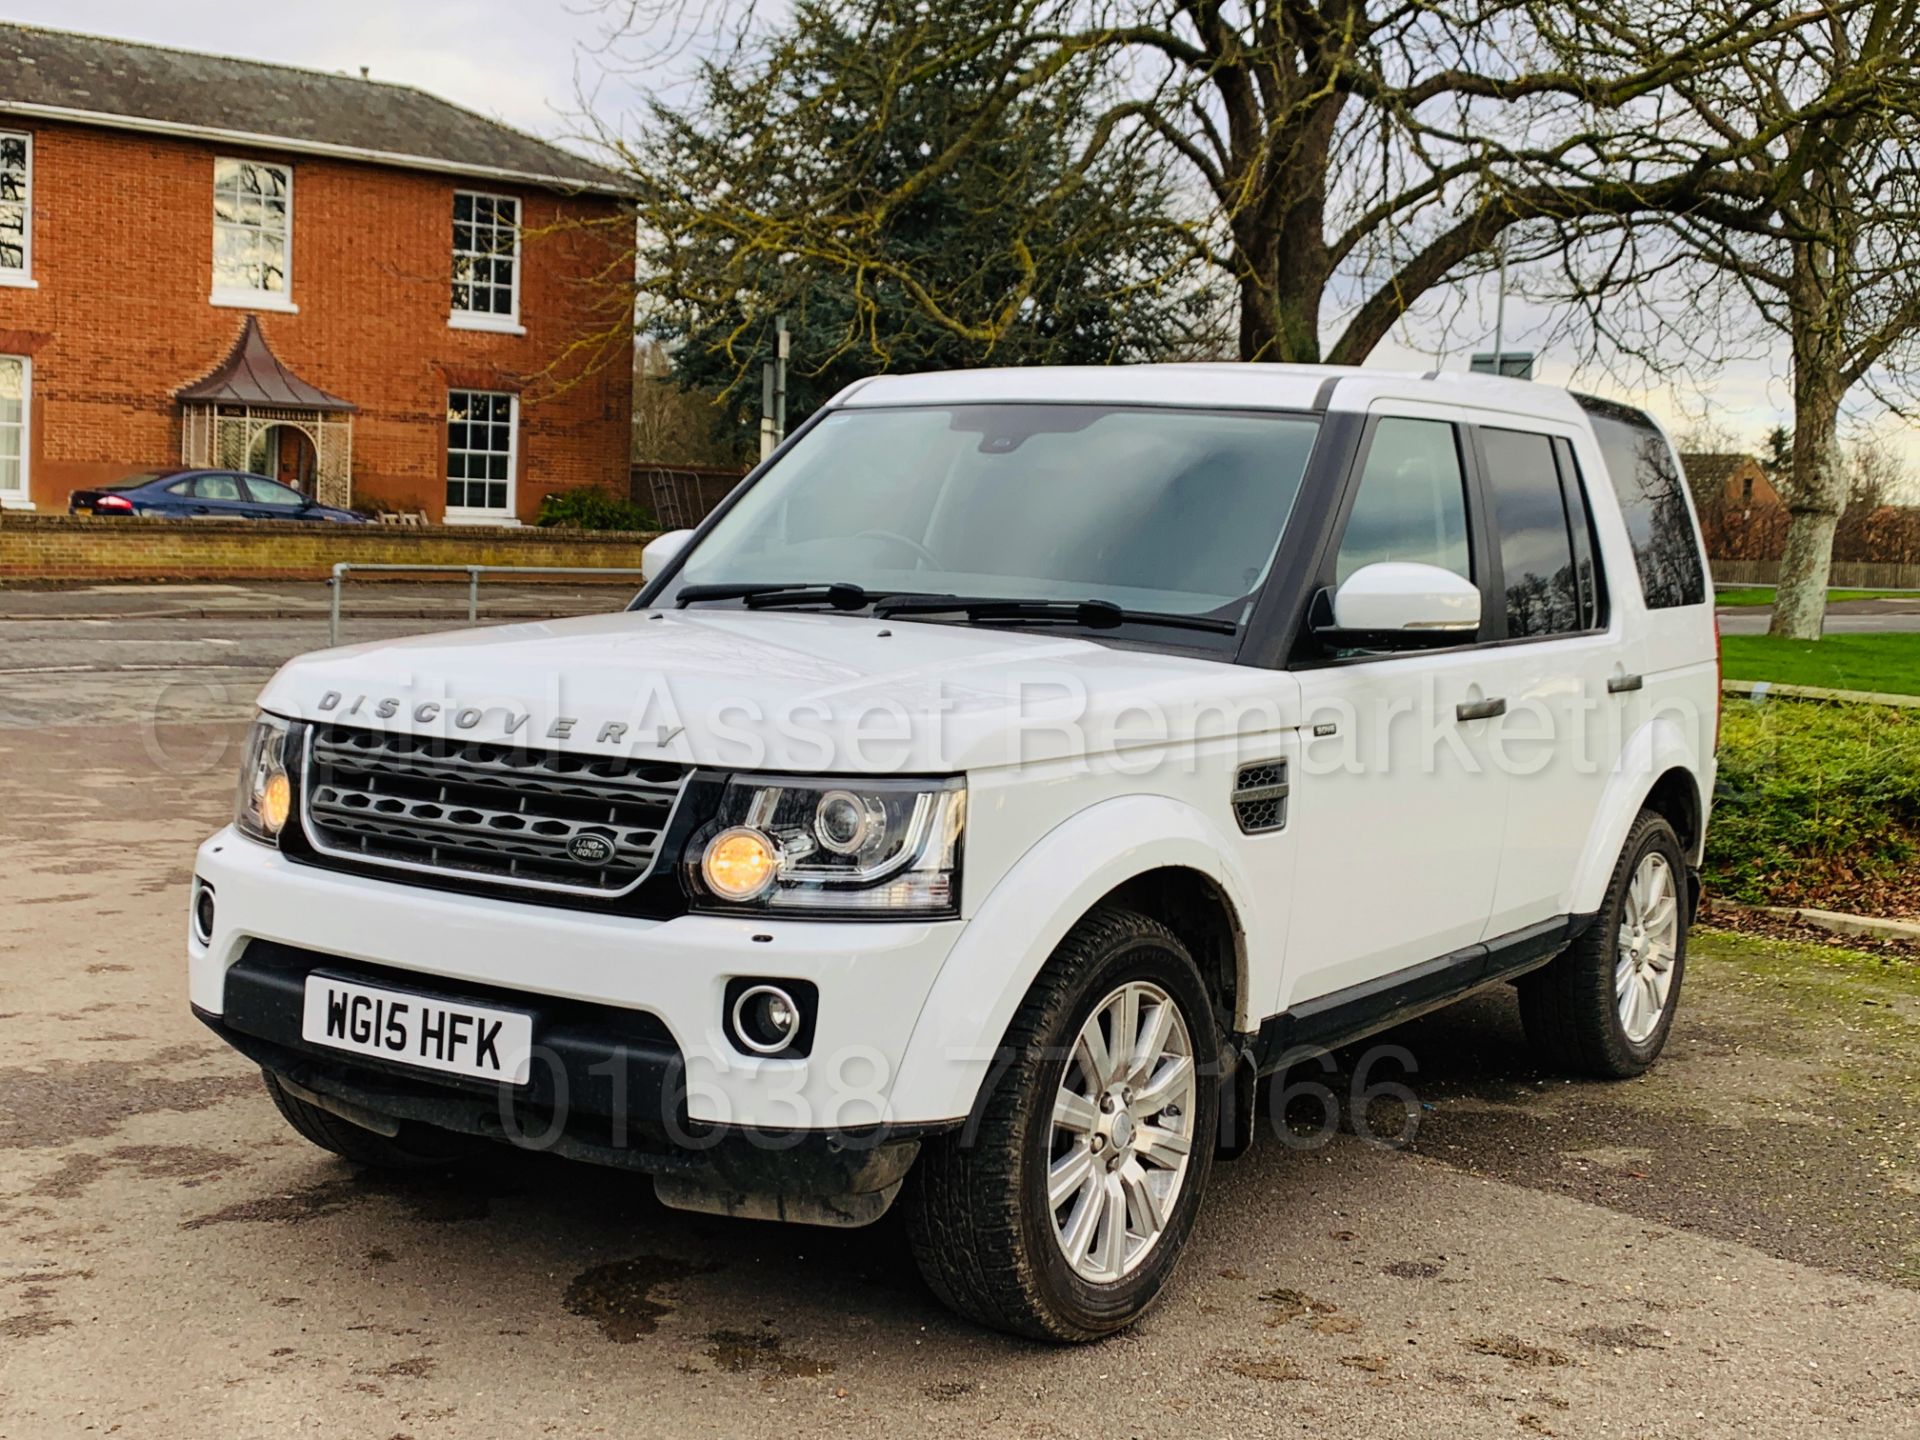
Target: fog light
x,y
766,1019
203,912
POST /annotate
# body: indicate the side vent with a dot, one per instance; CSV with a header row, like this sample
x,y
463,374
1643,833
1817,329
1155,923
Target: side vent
x,y
1260,796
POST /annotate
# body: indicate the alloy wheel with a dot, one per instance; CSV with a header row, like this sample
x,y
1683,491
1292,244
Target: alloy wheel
x,y
1122,1134
1648,947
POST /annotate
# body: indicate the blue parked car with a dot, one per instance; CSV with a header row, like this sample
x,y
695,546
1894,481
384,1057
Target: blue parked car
x,y
205,495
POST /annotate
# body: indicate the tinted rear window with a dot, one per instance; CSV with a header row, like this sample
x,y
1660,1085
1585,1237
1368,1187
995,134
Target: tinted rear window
x,y
1653,500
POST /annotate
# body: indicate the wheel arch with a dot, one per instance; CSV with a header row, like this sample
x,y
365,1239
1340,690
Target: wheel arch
x,y
1676,796
1197,908
1659,770
1157,855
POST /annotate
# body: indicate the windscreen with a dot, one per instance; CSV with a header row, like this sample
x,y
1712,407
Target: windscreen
x,y
1152,509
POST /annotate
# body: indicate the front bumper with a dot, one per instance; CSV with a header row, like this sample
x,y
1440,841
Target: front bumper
x,y
610,1094
655,986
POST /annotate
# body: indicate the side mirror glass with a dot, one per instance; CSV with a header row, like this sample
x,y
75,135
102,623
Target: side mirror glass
x,y
1397,605
661,552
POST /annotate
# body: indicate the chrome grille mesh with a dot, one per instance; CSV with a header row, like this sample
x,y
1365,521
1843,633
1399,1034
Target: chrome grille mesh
x,y
494,812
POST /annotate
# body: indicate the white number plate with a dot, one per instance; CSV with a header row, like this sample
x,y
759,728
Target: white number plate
x,y
414,1030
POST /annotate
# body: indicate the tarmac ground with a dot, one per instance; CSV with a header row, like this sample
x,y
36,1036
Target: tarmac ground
x,y
1729,1246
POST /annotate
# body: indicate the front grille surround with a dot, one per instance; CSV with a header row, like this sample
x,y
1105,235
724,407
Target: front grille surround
x,y
484,812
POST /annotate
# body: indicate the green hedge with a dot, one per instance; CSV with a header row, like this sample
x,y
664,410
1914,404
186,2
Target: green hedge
x,y
1812,797
591,509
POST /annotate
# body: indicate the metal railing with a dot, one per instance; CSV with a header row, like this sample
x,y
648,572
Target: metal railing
x,y
336,584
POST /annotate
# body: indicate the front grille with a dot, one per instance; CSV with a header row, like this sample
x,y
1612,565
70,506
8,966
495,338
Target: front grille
x,y
532,818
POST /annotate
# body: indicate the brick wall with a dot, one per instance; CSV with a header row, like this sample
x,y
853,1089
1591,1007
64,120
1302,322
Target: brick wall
x,y
122,255
72,547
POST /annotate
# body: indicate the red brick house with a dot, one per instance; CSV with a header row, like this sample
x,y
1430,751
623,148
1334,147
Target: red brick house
x,y
356,286
1729,479
1741,516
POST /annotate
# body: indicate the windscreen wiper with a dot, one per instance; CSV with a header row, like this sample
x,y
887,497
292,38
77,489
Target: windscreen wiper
x,y
1094,614
840,594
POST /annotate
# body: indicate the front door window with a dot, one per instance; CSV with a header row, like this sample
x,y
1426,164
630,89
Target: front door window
x,y
1412,501
274,497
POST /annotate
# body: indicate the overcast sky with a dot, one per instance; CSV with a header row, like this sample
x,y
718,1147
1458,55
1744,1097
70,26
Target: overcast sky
x,y
526,61
511,59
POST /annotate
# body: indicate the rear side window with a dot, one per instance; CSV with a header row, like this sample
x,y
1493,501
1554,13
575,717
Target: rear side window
x,y
1653,500
217,487
1548,590
1412,501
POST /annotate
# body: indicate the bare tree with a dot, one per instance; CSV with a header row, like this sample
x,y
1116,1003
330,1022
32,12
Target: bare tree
x,y
1843,276
674,424
1346,157
1815,128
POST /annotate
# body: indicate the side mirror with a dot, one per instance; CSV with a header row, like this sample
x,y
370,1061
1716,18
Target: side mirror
x,y
661,552
1396,605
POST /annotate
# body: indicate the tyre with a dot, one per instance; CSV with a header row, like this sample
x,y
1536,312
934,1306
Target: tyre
x,y
1060,1211
416,1147
1605,1006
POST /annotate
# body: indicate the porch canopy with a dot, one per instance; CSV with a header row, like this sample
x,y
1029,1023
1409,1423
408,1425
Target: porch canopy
x,y
249,393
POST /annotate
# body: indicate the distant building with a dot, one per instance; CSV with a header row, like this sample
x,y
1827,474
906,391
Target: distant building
x,y
1738,482
1741,517
355,286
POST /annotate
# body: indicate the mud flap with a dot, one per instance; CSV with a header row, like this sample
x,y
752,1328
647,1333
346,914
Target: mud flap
x,y
1239,1090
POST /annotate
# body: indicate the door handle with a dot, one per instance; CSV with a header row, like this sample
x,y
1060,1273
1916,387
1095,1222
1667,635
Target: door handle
x,y
1480,709
1620,684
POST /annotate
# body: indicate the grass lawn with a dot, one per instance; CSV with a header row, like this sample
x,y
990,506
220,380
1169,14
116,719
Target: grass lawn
x,y
1762,595
1887,663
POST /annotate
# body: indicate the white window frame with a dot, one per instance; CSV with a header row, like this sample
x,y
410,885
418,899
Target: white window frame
x,y
22,279
467,514
487,320
255,299
22,499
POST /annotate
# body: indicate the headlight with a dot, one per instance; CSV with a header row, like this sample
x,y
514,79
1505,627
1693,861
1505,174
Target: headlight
x,y
265,797
876,847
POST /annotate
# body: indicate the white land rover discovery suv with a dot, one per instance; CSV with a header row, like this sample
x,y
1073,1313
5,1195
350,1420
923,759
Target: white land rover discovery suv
x,y
1013,770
